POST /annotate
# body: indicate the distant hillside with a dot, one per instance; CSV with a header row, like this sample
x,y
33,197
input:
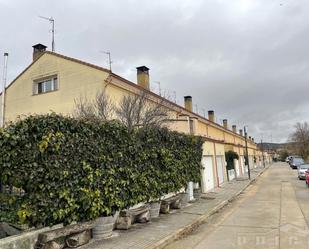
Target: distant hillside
x,y
274,146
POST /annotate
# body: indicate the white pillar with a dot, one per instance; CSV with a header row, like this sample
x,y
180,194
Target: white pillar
x,y
190,191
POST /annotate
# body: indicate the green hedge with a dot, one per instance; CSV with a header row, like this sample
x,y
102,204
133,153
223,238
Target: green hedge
x,y
77,170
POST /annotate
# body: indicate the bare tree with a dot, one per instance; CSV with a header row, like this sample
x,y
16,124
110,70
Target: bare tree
x,y
84,108
300,137
100,108
141,110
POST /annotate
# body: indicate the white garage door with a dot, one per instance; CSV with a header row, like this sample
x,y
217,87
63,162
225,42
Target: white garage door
x,y
207,174
237,167
251,161
242,162
220,169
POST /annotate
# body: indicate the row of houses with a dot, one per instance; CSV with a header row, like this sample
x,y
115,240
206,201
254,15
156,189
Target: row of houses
x,y
53,82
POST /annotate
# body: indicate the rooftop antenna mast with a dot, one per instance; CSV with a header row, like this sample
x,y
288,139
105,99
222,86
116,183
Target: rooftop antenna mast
x,y
109,59
5,67
196,108
159,85
52,21
204,112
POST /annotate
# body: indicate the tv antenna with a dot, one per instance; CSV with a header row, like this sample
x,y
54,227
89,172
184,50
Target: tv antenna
x,y
52,21
175,97
196,108
159,85
109,59
204,112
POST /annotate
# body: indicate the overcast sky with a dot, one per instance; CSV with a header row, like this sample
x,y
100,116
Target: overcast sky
x,y
248,60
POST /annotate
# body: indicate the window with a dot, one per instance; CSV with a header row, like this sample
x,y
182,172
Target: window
x,y
46,85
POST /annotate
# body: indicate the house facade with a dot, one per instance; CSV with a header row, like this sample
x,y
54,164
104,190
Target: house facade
x,y
53,82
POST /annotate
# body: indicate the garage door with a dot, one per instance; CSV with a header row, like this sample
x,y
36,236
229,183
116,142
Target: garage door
x,y
220,170
207,174
242,162
237,167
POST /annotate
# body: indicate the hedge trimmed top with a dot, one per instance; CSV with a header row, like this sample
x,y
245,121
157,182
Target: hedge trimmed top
x,y
77,170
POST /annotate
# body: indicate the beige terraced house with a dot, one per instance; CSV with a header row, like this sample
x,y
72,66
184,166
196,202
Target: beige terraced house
x,y
52,83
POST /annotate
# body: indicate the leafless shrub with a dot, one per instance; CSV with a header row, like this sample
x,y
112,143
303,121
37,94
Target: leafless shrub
x,y
140,110
100,108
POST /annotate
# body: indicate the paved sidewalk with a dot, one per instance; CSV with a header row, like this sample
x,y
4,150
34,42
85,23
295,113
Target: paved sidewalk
x,y
169,227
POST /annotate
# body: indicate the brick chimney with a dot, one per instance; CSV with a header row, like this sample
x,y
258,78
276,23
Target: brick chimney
x,y
225,123
211,116
234,128
188,103
143,77
38,50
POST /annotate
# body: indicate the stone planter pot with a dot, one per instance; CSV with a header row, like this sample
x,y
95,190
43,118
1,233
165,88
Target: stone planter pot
x,y
103,227
184,199
116,215
197,194
155,209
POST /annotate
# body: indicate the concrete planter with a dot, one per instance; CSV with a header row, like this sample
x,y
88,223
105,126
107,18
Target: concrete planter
x,y
184,199
197,194
231,174
103,227
155,209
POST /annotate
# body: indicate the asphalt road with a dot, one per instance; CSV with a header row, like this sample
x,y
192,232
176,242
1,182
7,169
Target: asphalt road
x,y
271,213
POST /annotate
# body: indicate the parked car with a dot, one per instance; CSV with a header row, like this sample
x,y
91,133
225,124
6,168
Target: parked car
x,y
296,161
287,160
307,178
302,171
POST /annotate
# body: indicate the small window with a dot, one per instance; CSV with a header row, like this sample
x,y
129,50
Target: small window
x,y
46,85
40,87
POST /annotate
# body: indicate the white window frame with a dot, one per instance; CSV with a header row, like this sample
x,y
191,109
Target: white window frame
x,y
44,81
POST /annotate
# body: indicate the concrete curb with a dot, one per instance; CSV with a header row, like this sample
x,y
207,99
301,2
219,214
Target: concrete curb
x,y
202,219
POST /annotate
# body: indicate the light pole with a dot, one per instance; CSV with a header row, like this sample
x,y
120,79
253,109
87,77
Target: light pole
x,y
247,155
5,65
262,147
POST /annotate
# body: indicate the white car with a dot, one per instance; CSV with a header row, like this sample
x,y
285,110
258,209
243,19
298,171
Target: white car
x,y
301,170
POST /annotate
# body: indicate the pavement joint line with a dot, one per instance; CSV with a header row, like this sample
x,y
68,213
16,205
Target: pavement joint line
x,y
249,226
198,214
203,218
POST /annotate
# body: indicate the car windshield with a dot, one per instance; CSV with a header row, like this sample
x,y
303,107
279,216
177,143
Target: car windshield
x,y
305,166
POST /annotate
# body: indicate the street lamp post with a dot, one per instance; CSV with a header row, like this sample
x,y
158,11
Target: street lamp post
x,y
262,147
247,155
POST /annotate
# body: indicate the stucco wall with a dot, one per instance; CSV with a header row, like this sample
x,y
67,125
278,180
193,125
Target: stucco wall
x,y
74,81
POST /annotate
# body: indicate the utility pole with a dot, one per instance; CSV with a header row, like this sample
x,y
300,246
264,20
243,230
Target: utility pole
x,y
52,21
262,147
247,155
5,65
